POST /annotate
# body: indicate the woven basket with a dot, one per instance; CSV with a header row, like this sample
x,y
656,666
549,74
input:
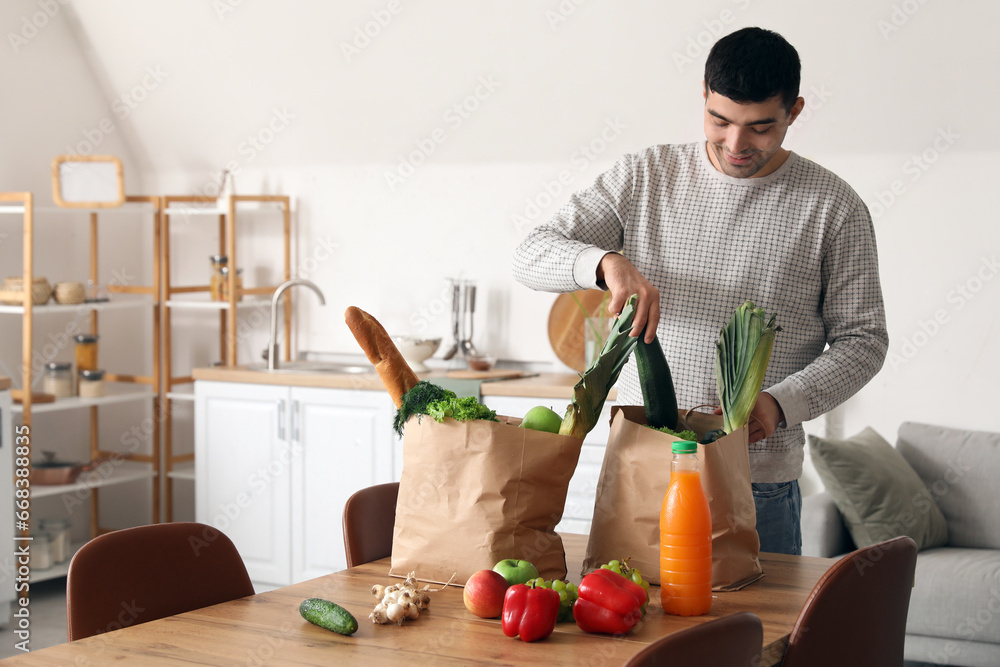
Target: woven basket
x,y
69,293
13,291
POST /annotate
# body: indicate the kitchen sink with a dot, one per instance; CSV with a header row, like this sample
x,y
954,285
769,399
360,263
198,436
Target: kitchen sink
x,y
317,367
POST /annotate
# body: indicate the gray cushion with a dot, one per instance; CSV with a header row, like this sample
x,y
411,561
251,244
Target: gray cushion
x,y
877,491
960,468
921,651
956,595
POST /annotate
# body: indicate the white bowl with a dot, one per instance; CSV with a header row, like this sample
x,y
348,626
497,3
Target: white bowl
x,y
416,350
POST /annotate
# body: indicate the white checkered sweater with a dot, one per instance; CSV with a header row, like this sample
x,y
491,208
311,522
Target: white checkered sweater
x,y
799,242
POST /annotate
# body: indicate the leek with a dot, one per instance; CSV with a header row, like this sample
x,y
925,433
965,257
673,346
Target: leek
x,y
592,389
742,354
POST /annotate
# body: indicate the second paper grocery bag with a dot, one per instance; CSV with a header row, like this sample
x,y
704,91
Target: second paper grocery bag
x,y
634,479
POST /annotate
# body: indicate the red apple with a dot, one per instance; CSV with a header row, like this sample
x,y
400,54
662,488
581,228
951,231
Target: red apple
x,y
484,593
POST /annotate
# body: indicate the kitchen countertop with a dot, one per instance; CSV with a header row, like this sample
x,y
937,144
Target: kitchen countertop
x,y
544,385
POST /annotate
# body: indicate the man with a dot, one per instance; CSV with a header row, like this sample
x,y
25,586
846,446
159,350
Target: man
x,y
697,229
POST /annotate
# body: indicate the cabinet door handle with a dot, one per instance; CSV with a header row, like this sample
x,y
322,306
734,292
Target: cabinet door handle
x,y
281,419
296,416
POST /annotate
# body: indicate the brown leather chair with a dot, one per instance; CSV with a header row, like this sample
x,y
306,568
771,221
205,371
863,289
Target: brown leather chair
x,y
731,641
856,613
369,516
140,574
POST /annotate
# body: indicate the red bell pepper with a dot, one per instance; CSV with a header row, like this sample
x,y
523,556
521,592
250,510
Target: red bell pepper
x,y
608,603
530,612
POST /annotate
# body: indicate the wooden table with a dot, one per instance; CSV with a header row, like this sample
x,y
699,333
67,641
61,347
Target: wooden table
x,y
266,629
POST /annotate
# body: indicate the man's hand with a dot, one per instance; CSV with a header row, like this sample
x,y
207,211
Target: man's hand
x,y
624,280
764,418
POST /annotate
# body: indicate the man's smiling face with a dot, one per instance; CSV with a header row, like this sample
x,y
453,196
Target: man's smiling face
x,y
744,139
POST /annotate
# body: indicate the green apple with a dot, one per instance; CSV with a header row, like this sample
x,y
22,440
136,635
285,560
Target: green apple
x,y
541,418
516,571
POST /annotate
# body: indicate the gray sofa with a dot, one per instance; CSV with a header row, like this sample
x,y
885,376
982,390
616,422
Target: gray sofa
x,y
954,615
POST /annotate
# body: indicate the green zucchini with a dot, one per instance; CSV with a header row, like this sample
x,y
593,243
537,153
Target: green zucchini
x,y
328,615
657,385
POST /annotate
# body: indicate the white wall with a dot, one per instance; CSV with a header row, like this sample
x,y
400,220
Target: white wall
x,y
887,84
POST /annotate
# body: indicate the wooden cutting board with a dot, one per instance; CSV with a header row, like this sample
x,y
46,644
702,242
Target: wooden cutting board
x,y
502,374
36,397
566,324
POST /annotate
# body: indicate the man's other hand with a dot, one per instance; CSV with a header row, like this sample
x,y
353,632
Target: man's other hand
x,y
764,418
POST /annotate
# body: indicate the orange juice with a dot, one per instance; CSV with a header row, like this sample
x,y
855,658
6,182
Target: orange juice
x,y
685,538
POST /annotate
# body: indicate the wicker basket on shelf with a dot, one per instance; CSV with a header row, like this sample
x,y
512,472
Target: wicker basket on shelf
x,y
69,293
12,292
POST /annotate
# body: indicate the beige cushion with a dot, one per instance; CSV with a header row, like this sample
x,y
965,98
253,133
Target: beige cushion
x,y
876,490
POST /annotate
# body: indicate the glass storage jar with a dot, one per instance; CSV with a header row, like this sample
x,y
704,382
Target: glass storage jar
x,y
86,352
224,287
41,552
58,379
219,263
91,384
59,538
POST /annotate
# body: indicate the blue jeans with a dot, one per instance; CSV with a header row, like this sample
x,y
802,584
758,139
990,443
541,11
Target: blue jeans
x,y
779,517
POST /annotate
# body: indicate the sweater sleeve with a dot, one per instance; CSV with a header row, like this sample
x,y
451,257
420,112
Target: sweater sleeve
x,y
562,254
854,315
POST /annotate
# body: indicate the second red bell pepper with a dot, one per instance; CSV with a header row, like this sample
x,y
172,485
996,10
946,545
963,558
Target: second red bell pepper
x,y
529,612
608,603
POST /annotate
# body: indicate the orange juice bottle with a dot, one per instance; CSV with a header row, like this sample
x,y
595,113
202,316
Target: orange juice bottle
x,y
685,538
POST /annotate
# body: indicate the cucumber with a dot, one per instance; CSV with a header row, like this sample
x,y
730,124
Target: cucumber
x,y
328,615
657,385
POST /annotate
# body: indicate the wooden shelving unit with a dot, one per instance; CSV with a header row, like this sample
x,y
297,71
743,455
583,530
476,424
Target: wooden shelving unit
x,y
126,466
195,297
163,388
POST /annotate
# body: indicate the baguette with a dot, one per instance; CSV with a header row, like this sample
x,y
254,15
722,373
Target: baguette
x,y
392,369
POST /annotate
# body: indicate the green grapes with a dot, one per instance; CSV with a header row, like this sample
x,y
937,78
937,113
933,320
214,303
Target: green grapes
x,y
567,595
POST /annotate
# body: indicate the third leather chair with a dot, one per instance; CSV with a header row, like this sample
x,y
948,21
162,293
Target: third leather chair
x,y
856,613
731,641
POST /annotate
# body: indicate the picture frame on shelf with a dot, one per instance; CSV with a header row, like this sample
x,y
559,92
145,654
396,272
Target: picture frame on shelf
x,y
87,181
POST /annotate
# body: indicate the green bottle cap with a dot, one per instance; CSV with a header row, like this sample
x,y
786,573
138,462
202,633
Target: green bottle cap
x,y
685,447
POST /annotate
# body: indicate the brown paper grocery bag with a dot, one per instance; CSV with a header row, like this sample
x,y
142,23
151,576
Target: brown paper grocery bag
x,y
634,479
474,493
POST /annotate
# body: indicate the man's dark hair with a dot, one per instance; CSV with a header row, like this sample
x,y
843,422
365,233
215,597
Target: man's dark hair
x,y
754,65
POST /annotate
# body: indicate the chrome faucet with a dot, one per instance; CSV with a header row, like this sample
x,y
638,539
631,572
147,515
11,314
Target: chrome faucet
x,y
272,343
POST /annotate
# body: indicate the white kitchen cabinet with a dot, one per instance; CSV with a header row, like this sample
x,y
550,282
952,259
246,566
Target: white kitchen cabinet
x,y
579,510
275,465
346,445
